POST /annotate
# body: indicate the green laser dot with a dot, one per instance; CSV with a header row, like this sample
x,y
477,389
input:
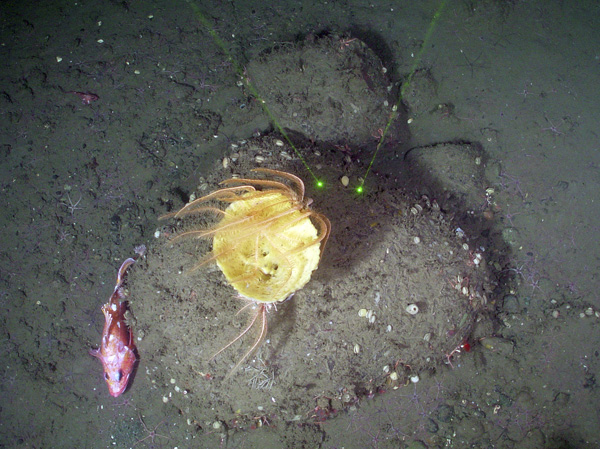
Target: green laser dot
x,y
359,189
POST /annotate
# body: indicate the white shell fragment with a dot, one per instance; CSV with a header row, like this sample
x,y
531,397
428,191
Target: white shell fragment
x,y
413,309
356,348
589,311
416,209
345,181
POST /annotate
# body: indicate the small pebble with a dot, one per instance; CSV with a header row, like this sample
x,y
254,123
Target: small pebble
x,y
510,304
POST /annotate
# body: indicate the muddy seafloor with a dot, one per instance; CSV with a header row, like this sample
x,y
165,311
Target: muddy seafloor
x,y
85,183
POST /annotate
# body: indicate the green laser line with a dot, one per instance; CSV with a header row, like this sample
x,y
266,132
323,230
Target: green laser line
x,y
413,69
240,71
